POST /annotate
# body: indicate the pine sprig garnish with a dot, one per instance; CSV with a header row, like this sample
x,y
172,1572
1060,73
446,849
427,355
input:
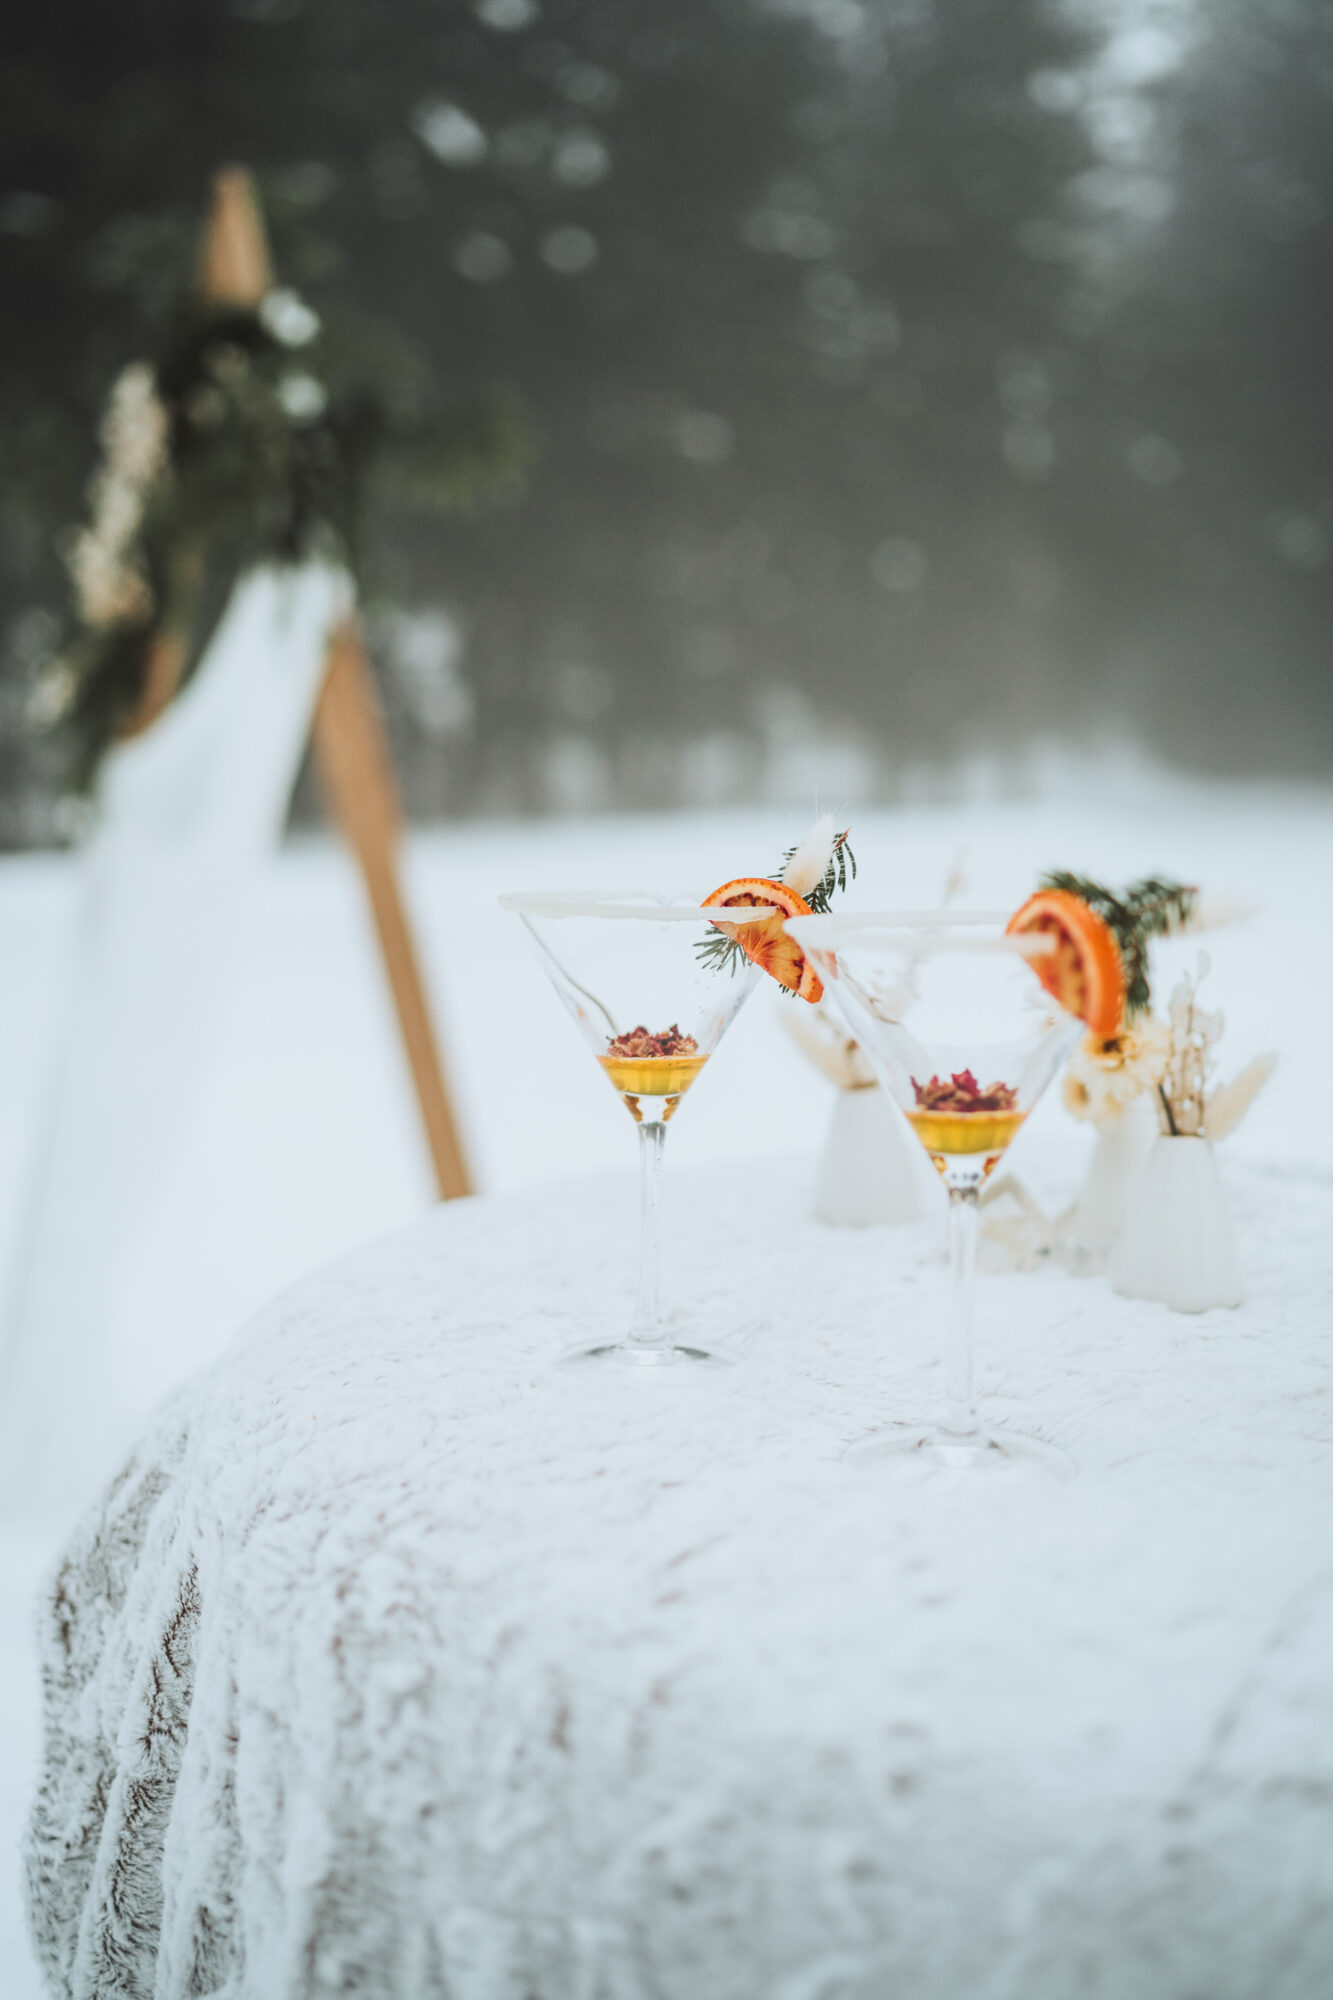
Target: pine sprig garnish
x,y
1151,908
720,953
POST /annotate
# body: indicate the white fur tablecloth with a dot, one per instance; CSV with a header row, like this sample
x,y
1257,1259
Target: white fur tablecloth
x,y
403,1664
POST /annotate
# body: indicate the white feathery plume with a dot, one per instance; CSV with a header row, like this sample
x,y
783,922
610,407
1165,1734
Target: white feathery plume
x,y
1211,911
1228,1106
809,862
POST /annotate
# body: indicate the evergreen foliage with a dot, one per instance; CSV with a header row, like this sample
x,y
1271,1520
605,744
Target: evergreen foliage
x,y
1151,908
925,372
258,463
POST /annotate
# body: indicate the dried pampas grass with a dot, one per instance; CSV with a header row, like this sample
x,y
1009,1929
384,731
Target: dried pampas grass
x,y
820,1036
1212,910
809,862
1226,1107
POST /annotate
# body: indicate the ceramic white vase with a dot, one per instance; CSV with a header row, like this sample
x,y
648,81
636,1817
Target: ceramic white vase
x,y
1178,1245
867,1172
1119,1156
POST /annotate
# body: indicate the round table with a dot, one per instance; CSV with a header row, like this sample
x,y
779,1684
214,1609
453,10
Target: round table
x,y
403,1662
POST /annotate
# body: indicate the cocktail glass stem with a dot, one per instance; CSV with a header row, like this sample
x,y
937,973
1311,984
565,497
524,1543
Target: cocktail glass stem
x,y
960,1417
647,1329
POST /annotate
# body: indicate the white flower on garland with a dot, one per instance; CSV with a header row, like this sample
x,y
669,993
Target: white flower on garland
x,y
111,587
287,316
1106,1073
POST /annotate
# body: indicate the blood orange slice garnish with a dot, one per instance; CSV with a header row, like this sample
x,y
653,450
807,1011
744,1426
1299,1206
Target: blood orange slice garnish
x,y
1084,972
765,943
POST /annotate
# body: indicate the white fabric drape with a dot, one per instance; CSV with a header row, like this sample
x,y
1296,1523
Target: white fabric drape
x,y
187,814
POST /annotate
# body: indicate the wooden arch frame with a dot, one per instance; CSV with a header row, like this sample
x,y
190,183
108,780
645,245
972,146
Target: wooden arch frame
x,y
351,753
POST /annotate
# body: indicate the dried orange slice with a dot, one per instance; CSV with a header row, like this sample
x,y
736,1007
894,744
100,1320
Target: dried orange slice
x,y
766,944
1084,972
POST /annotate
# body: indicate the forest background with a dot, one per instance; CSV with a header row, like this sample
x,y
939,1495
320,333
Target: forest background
x,y
921,391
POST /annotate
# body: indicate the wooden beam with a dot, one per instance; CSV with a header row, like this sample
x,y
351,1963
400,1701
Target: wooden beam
x,y
358,780
166,664
234,268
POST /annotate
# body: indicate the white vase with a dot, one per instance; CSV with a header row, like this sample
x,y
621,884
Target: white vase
x,y
1178,1245
867,1172
1115,1170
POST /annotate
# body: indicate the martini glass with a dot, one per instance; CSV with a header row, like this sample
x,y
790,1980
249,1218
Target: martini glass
x,y
963,1036
652,1003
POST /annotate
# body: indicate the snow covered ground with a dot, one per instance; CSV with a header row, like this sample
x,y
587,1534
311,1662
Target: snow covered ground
x,y
302,1140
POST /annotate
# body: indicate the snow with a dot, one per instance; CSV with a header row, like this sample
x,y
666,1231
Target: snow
x,y
563,1671
302,1141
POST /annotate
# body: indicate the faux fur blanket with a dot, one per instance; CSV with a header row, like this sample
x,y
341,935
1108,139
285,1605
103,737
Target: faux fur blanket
x,y
401,1663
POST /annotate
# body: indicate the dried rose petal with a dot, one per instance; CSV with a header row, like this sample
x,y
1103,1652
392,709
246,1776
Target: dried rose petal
x,y
962,1092
638,1042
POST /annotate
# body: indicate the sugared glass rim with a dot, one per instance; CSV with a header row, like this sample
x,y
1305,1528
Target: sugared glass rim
x,y
627,904
972,930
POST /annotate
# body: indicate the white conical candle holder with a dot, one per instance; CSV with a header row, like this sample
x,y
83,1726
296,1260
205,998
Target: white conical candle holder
x,y
1177,1245
868,1172
1119,1157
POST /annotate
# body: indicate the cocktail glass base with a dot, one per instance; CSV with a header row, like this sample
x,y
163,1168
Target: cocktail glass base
x,y
975,1450
636,1354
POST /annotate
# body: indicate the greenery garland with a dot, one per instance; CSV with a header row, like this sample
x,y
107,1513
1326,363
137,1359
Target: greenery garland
x,y
224,452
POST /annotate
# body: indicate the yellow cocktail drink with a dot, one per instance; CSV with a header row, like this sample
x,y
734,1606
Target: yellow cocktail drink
x,y
957,1132
652,1076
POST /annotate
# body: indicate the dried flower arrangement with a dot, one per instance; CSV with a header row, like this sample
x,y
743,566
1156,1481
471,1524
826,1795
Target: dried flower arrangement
x,y
1107,1072
1188,1105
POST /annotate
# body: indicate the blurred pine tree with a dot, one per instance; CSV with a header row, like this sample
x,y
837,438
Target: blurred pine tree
x,y
892,362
